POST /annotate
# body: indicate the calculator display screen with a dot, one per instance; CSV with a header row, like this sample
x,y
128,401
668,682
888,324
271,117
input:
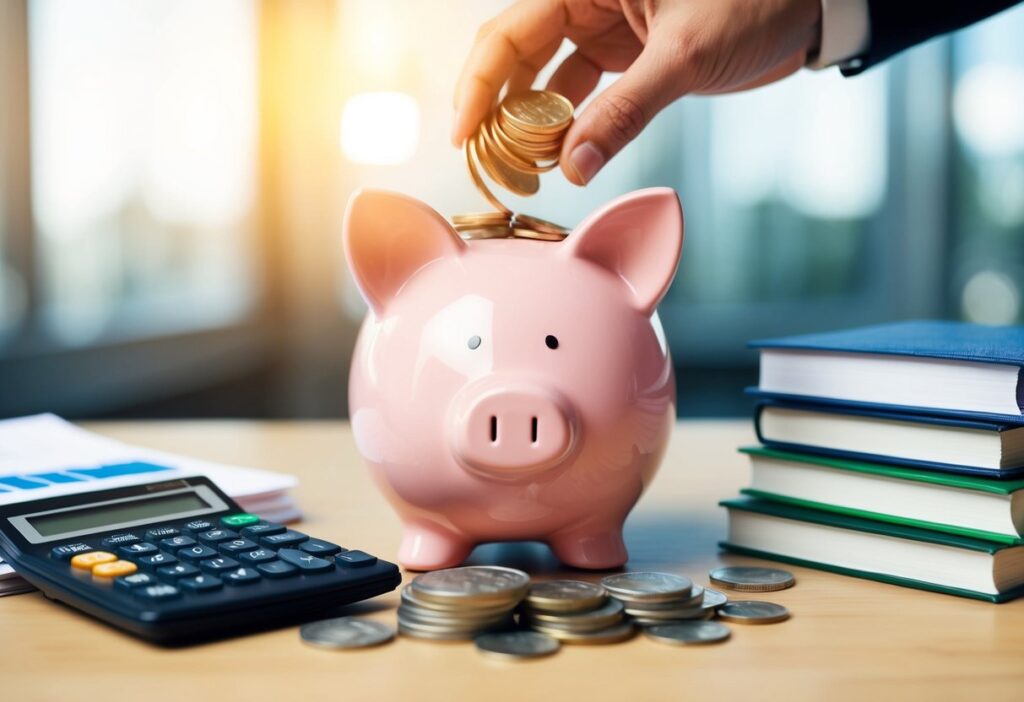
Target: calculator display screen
x,y
143,509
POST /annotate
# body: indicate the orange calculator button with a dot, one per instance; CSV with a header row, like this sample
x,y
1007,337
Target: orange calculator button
x,y
114,569
87,561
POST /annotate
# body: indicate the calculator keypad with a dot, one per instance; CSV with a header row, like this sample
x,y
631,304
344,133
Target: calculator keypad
x,y
139,548
196,553
165,563
114,569
218,565
175,542
178,570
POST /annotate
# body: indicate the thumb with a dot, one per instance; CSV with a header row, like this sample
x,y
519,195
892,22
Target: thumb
x,y
619,114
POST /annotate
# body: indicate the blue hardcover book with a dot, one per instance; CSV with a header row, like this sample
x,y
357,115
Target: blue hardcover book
x,y
962,445
950,369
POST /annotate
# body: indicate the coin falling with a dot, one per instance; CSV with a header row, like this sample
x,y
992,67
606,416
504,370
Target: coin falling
x,y
520,139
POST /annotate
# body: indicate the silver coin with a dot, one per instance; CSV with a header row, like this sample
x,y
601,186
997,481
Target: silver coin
x,y
752,579
421,617
714,598
455,608
752,612
565,596
663,614
346,632
695,599
647,586
412,627
477,584
613,634
688,633
606,615
647,621
514,645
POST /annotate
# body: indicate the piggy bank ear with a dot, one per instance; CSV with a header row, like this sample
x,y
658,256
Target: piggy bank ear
x,y
387,237
637,237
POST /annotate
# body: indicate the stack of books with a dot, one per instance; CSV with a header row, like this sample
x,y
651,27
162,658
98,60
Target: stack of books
x,y
893,452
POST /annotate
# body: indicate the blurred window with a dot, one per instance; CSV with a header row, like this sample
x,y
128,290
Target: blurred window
x,y
987,261
144,149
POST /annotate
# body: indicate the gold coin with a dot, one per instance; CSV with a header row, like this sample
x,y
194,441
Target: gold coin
x,y
539,225
518,182
464,217
469,150
521,233
485,233
614,634
537,110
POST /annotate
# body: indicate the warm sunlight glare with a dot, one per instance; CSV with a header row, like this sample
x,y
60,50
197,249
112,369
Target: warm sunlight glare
x,y
380,129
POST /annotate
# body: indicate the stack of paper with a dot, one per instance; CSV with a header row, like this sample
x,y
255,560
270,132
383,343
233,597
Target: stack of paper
x,y
44,456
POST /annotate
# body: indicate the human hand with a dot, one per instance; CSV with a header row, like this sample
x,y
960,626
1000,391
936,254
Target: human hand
x,y
664,50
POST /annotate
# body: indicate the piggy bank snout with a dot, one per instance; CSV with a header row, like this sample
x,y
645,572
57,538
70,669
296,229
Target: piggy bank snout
x,y
510,431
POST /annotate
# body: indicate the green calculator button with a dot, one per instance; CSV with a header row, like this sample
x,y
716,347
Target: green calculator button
x,y
239,520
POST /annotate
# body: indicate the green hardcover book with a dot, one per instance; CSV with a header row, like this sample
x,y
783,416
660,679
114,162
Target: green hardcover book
x,y
965,505
882,551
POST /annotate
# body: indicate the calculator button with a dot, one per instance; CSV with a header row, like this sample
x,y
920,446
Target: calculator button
x,y
239,520
178,570
115,569
115,540
67,551
139,548
215,536
161,533
355,559
157,593
200,583
241,576
196,553
262,529
319,547
259,555
175,542
197,525
305,562
88,561
289,538
277,569
134,580
218,565
236,545
156,560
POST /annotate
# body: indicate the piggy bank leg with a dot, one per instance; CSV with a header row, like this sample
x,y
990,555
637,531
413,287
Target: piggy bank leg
x,y
429,547
593,547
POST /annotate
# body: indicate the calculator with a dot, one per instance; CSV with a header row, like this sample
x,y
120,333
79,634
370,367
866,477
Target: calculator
x,y
177,561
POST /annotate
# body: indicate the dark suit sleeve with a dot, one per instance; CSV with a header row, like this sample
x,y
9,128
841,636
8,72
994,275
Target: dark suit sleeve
x,y
898,24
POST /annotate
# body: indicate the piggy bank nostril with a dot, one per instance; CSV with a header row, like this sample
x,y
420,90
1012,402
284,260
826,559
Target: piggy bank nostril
x,y
533,430
494,429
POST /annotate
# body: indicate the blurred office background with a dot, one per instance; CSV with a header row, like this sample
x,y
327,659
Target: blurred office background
x,y
173,174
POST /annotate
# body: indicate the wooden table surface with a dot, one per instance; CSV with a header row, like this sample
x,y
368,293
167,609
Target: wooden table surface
x,y
847,639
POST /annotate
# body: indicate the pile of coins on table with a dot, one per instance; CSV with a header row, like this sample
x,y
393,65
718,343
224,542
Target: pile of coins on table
x,y
458,603
508,617
521,138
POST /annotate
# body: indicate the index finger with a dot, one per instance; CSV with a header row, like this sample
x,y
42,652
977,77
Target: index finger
x,y
521,30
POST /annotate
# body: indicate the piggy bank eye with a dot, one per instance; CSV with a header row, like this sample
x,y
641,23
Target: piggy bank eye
x,y
551,341
474,342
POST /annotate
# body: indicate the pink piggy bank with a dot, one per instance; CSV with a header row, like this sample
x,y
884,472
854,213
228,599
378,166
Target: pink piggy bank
x,y
512,389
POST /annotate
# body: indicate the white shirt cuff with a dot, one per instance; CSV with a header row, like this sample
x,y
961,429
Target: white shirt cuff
x,y
845,32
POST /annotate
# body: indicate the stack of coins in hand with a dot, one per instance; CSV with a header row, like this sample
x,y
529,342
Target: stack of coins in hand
x,y
460,603
577,612
520,139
